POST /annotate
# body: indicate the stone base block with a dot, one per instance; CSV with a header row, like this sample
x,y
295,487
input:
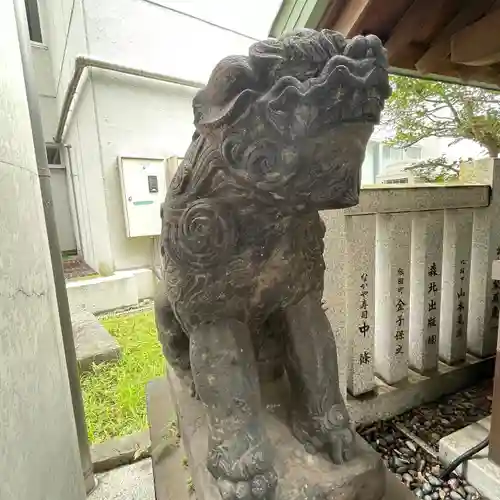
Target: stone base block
x,y
171,477
120,451
479,471
93,344
104,293
302,476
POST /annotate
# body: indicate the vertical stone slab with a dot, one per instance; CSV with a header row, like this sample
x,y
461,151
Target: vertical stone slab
x,y
360,234
482,324
392,296
334,294
457,239
39,456
494,444
425,291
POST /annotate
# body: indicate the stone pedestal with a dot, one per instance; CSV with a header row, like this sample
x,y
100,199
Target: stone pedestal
x,y
301,476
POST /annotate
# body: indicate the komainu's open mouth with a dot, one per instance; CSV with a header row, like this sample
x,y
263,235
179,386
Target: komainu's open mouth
x,y
348,83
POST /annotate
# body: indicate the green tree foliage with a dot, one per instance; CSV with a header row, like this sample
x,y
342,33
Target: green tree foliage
x,y
419,109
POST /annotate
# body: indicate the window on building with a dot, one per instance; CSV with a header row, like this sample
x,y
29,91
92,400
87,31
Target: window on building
x,y
33,20
390,154
53,154
395,181
413,153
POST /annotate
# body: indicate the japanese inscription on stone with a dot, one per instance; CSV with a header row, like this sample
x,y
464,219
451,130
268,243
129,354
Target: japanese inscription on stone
x,y
400,312
432,304
460,326
495,306
364,327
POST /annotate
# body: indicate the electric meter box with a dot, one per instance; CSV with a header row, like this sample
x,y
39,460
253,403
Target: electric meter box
x,y
144,185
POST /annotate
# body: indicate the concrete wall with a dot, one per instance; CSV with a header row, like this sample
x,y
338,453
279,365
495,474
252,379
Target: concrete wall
x,y
86,168
142,118
39,458
46,89
65,217
138,117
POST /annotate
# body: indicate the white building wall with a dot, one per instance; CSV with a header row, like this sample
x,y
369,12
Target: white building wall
x,y
118,115
39,453
91,196
142,118
46,88
146,35
63,30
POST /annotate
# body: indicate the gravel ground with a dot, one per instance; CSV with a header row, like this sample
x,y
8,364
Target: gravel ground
x,y
412,455
433,421
76,267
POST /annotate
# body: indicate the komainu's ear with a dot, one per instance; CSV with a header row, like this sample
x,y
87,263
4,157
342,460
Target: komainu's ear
x,y
229,91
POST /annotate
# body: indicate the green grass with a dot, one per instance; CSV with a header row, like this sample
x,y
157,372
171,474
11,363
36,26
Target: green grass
x,y
114,394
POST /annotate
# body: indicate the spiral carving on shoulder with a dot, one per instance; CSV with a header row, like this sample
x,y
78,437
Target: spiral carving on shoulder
x,y
202,236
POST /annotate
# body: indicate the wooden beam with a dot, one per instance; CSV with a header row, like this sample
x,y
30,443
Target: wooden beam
x,y
351,17
332,13
379,17
418,25
479,43
441,48
468,74
380,20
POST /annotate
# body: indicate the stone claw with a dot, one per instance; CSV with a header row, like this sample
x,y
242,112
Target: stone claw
x,y
340,445
260,487
330,433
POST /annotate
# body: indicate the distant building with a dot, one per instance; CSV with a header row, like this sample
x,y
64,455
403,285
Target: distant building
x,y
386,164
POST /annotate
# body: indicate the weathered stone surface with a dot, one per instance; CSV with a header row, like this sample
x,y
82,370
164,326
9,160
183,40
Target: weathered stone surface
x,y
280,134
120,451
172,480
92,342
131,482
302,476
170,465
481,472
387,401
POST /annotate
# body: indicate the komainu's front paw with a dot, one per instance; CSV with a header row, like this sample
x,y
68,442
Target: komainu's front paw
x,y
243,468
330,433
260,487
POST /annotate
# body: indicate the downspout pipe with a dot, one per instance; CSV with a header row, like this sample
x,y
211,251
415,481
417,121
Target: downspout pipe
x,y
69,159
82,62
53,240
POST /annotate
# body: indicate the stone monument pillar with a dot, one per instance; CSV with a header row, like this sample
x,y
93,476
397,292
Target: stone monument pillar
x,y
280,134
39,456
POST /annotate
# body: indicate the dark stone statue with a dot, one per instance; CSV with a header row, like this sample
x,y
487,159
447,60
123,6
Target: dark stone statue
x,y
280,134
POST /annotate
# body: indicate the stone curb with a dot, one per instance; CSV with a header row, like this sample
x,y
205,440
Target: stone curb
x,y
120,451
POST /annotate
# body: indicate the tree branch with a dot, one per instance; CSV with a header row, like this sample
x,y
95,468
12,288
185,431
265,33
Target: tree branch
x,y
452,108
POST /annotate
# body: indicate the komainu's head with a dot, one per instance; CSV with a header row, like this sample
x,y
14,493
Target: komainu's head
x,y
294,117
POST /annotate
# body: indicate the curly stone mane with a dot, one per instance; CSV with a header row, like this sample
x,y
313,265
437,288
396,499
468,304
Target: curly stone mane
x,y
252,119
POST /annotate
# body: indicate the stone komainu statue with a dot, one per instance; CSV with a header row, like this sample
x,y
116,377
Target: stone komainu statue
x,y
280,134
